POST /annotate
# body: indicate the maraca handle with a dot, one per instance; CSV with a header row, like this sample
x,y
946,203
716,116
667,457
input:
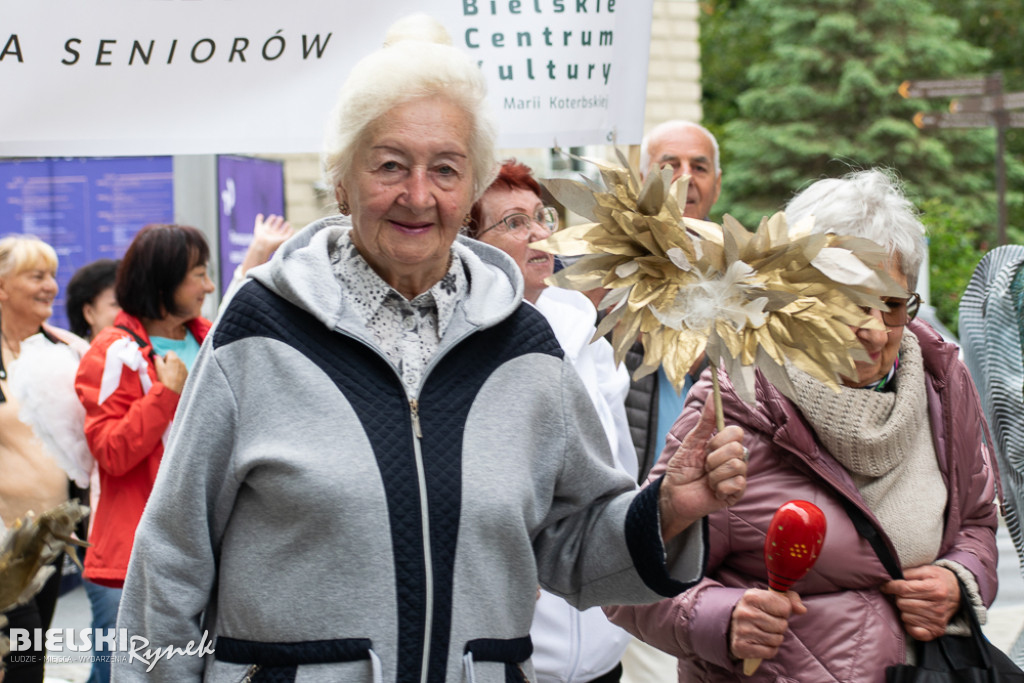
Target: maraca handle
x,y
750,665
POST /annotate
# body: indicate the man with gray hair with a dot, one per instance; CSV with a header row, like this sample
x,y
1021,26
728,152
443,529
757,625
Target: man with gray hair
x,y
690,149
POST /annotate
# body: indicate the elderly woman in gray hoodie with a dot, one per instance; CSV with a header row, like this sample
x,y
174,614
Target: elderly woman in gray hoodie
x,y
382,451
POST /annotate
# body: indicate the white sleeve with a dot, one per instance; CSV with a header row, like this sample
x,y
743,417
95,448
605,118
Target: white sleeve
x,y
237,279
613,385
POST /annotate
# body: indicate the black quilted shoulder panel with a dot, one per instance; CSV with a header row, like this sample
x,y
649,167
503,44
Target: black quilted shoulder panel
x,y
375,392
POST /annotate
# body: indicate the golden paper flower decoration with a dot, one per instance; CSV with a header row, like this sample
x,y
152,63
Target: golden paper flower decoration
x,y
685,287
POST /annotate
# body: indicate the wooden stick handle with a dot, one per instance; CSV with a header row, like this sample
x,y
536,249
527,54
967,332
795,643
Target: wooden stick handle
x,y
750,665
719,414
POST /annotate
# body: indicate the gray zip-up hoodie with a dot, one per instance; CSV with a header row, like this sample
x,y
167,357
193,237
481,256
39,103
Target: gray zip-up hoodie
x,y
317,521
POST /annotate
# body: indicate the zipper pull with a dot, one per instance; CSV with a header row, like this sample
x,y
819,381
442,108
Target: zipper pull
x,y
251,673
414,406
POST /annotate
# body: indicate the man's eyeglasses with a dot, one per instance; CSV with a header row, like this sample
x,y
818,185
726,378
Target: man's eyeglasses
x,y
518,224
901,311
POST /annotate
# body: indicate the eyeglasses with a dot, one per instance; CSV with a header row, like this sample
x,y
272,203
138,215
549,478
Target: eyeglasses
x,y
518,224
901,311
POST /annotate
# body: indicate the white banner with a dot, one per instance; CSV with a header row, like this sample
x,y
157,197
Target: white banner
x,y
129,77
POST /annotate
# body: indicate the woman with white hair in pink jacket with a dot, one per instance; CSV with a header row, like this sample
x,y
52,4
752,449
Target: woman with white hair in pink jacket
x,y
901,445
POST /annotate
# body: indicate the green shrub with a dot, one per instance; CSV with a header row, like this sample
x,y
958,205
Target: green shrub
x,y
954,250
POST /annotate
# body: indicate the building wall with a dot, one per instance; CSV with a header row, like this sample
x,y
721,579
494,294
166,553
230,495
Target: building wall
x,y
305,196
673,91
673,72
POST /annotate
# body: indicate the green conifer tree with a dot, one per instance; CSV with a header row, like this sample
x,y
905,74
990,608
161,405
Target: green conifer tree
x,y
999,26
822,99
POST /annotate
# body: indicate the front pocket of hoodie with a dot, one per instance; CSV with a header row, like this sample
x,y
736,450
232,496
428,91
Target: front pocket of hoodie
x,y
512,654
269,662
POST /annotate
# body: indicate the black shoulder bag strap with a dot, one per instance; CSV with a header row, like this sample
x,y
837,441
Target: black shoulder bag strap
x,y
138,340
866,529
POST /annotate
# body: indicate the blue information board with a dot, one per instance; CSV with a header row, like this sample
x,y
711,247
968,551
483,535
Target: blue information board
x,y
246,186
86,208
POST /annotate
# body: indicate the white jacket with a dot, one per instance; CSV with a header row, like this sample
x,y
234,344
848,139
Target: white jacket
x,y
570,645
572,317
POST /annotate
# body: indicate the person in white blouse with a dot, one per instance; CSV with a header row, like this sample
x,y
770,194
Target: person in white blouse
x,y
569,644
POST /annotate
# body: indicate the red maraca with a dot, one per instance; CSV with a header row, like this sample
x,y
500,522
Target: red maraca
x,y
794,539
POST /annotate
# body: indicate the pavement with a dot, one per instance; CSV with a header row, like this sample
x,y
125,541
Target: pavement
x,y
1005,617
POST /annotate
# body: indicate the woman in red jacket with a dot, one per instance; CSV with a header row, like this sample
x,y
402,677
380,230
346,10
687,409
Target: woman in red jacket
x,y
132,377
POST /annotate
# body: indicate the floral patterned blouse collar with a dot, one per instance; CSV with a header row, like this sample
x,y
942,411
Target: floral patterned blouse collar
x,y
367,292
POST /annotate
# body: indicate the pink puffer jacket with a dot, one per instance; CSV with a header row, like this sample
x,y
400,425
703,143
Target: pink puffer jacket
x,y
851,632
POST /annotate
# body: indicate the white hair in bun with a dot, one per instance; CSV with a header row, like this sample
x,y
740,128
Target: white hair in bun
x,y
417,61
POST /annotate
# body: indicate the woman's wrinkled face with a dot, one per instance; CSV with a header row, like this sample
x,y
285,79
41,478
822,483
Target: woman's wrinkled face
x,y
883,346
409,189
190,294
28,295
101,311
501,202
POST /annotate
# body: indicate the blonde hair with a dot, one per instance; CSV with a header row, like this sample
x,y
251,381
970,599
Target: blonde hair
x,y
18,253
413,65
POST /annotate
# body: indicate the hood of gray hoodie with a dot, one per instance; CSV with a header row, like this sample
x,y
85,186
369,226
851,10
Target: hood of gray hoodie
x,y
301,273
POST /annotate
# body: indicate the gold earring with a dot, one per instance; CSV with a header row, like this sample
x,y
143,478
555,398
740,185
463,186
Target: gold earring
x,y
467,220
343,208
